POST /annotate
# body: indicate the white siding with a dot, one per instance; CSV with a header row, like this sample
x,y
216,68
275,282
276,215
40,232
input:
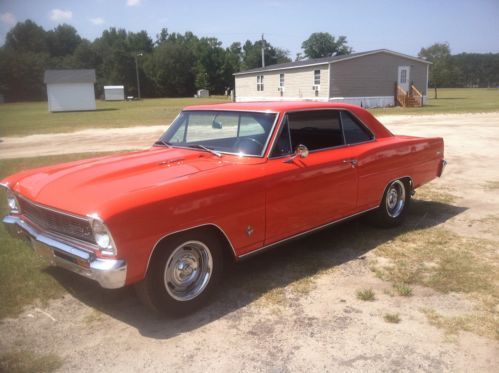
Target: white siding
x,y
298,85
71,96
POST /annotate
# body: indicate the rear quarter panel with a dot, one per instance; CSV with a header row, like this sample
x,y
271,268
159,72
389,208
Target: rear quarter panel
x,y
392,158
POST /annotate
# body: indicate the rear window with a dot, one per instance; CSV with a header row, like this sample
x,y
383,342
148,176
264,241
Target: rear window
x,y
353,130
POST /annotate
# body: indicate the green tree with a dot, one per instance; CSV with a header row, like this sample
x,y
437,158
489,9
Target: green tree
x,y
171,69
442,71
63,41
24,58
323,44
27,36
252,54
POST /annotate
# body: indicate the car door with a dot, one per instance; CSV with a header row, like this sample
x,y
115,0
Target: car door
x,y
305,193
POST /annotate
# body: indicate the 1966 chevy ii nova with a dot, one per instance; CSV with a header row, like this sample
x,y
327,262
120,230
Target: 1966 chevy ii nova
x,y
224,180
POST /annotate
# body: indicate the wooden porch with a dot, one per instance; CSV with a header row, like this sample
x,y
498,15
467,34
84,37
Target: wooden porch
x,y
411,98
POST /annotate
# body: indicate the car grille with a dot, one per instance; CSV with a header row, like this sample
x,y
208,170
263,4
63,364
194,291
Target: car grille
x,y
57,222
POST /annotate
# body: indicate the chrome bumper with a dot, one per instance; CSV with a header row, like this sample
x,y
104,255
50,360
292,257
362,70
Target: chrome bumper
x,y
441,169
109,273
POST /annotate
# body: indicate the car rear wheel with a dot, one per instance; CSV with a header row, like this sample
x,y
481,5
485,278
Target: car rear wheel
x,y
183,274
393,207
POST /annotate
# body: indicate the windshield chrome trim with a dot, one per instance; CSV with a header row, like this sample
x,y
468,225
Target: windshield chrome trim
x,y
265,146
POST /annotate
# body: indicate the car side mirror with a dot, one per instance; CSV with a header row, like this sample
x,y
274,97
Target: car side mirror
x,y
300,151
216,125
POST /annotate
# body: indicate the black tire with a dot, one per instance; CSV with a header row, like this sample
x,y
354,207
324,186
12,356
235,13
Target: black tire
x,y
173,265
394,204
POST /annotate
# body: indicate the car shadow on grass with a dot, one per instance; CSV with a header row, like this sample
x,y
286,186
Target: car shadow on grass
x,y
246,282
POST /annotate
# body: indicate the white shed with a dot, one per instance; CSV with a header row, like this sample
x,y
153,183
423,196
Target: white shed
x,y
203,93
70,90
114,92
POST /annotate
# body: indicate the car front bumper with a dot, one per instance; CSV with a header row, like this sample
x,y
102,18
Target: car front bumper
x,y
109,273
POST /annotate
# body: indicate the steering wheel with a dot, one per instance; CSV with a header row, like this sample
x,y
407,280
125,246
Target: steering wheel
x,y
250,140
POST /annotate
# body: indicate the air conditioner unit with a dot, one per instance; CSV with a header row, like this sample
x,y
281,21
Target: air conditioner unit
x,y
280,89
316,88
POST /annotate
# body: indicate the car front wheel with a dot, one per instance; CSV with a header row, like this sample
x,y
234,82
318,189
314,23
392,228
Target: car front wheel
x,y
183,274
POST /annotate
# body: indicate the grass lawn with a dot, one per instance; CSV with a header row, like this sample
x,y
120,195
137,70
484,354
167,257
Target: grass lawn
x,y
21,119
23,275
26,118
452,100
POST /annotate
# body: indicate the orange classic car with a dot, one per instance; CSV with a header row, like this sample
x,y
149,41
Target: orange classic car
x,y
224,181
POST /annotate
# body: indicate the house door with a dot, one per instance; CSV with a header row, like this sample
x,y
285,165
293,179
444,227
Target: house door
x,y
404,77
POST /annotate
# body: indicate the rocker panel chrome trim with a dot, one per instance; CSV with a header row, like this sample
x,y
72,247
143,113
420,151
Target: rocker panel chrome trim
x,y
280,242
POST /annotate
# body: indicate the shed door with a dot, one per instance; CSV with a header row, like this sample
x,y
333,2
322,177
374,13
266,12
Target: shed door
x,y
404,77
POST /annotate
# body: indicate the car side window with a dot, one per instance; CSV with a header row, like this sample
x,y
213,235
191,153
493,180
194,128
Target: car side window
x,y
353,130
316,129
282,144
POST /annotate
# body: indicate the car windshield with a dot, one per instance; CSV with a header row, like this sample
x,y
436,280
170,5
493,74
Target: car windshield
x,y
233,132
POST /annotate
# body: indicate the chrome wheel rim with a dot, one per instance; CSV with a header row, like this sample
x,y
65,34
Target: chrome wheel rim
x,y
188,270
395,199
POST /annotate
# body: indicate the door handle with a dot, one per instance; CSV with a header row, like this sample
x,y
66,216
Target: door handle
x,y
353,162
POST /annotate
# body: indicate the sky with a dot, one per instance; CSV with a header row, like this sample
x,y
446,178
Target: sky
x,y
404,26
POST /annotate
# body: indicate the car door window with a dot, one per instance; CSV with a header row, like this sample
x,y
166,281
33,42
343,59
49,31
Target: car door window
x,y
282,143
354,131
316,129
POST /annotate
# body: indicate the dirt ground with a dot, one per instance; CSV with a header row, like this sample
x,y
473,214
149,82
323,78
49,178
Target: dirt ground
x,y
292,309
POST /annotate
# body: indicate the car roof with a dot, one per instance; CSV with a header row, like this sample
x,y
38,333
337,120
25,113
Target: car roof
x,y
273,106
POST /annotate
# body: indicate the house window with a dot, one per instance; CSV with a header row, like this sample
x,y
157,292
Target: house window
x,y
259,82
281,80
317,77
403,76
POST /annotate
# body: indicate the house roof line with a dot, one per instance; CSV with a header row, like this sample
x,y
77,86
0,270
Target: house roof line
x,y
327,61
69,76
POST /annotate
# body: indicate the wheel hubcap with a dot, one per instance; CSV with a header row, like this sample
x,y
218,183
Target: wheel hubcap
x,y
395,199
188,270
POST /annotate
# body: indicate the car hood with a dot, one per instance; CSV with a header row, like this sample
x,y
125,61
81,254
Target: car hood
x,y
82,187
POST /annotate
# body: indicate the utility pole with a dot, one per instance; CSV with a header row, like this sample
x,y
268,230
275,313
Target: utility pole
x,y
263,51
137,73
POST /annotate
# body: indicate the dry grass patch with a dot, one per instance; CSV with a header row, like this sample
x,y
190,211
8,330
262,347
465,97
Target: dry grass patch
x,y
367,295
446,262
492,185
484,322
26,361
273,297
440,259
429,193
392,318
403,290
95,316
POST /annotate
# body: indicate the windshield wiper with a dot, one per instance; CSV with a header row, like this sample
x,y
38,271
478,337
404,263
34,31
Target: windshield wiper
x,y
164,143
199,146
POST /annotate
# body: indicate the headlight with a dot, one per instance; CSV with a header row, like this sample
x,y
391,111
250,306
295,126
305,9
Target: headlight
x,y
102,237
12,201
